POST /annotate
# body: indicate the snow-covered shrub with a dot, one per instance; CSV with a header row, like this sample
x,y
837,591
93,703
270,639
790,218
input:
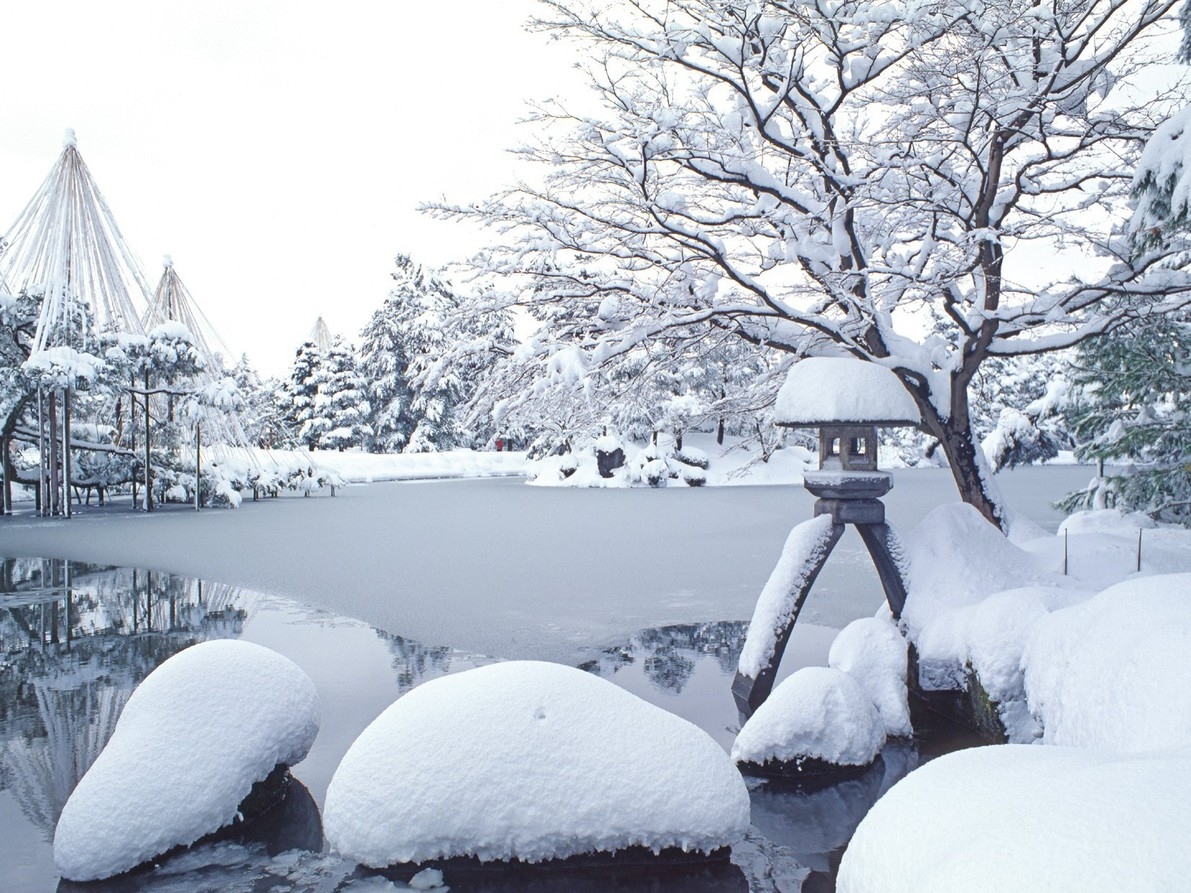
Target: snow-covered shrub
x,y
654,472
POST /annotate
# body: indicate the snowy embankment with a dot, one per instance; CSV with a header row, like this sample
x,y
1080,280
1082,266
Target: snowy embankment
x,y
1069,645
356,467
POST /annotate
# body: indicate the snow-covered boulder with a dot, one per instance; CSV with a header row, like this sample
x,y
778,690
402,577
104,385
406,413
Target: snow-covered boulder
x,y
1112,672
530,761
194,738
1021,817
874,653
816,716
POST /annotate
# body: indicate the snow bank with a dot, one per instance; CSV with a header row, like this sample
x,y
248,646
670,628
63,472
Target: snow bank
x,y
802,552
1016,817
826,389
816,713
359,467
1112,672
956,560
532,761
193,739
873,652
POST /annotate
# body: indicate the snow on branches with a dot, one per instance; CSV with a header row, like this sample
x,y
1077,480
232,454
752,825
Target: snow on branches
x,y
871,179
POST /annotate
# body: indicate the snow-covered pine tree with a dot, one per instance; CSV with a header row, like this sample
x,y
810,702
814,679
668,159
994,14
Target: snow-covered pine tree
x,y
261,414
341,399
384,361
1130,407
425,354
301,395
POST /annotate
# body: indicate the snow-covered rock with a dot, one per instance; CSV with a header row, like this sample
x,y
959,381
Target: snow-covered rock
x,y
816,713
873,652
531,761
1112,672
194,738
1020,817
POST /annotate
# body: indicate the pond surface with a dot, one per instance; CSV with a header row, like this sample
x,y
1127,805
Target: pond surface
x,y
78,638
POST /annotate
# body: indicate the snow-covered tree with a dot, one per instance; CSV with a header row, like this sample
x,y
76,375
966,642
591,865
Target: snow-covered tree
x,y
425,354
384,361
341,399
261,415
839,178
1131,406
301,397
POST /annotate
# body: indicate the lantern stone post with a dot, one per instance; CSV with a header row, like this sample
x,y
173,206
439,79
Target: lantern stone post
x,y
848,400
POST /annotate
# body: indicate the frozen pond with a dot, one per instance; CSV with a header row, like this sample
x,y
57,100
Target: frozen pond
x,y
499,568
388,585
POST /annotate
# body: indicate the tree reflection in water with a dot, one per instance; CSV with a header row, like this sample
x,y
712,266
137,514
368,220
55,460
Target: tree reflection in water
x,y
413,661
77,639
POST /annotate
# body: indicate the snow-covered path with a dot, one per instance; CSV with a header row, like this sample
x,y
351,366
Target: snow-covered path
x,y
498,568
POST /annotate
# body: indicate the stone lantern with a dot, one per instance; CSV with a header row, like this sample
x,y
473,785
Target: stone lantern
x,y
848,400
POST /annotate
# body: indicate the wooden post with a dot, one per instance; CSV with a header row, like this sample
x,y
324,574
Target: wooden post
x,y
66,450
54,494
148,482
198,461
132,429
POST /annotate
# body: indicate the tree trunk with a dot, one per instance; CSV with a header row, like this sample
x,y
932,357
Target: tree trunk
x,y
973,477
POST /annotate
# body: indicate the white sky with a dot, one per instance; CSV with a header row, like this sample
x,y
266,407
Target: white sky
x,y
276,150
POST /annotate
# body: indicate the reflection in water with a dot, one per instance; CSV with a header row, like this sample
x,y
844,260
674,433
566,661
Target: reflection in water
x,y
77,639
414,661
671,652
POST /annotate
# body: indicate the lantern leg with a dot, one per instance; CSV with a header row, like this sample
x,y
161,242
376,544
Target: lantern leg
x,y
882,545
750,692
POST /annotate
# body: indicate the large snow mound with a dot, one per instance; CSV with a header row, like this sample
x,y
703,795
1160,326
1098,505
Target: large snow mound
x,y
873,652
1019,817
957,558
840,389
532,761
817,713
1112,672
194,737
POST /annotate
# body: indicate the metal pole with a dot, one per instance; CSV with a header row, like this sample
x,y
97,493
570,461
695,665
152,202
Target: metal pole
x,y
1065,551
1139,550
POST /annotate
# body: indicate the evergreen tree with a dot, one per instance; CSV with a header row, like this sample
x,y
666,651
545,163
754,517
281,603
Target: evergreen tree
x,y
341,399
383,363
261,417
301,397
1132,391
